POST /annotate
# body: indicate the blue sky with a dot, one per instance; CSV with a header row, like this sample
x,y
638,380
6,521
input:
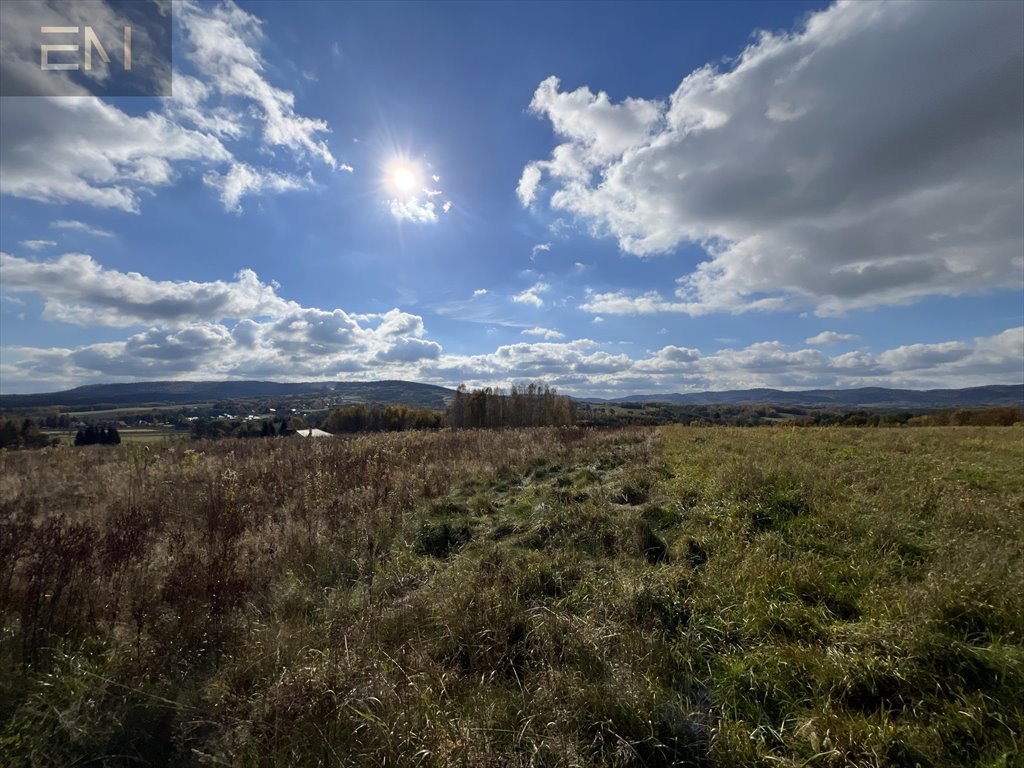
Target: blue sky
x,y
613,198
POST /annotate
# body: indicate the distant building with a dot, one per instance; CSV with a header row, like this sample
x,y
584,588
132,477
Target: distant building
x,y
312,433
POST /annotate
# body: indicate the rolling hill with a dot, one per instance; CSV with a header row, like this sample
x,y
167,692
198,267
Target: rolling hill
x,y
865,397
432,396
164,392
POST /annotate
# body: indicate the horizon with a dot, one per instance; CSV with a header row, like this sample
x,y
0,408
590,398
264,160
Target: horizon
x,y
501,390
684,198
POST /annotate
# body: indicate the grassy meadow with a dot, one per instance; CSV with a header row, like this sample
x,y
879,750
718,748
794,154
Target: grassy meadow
x,y
535,597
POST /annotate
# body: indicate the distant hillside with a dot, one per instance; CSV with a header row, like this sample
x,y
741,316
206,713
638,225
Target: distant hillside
x,y
431,396
156,392
866,397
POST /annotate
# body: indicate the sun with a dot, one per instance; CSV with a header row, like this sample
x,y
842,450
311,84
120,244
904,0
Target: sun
x,y
402,179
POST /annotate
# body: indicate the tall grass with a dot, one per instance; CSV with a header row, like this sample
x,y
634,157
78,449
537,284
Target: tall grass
x,y
527,597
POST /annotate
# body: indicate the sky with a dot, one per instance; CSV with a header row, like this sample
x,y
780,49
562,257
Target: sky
x,y
610,198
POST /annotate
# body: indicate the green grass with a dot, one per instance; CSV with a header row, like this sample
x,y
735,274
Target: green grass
x,y
114,413
714,597
859,605
128,435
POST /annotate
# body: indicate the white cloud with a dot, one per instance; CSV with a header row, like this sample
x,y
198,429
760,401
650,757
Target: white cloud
x,y
245,329
411,209
242,179
830,337
539,247
528,183
871,157
37,245
411,200
78,226
914,357
410,350
597,319
20,53
76,289
598,130
532,294
221,329
623,303
670,358
480,292
545,333
223,43
85,150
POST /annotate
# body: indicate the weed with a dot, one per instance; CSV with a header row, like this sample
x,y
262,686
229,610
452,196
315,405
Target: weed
x,y
708,597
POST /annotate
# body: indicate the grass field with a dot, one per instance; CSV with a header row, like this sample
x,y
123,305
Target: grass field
x,y
116,413
128,434
686,596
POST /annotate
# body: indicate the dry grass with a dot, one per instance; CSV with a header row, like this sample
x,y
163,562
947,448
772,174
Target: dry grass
x,y
531,597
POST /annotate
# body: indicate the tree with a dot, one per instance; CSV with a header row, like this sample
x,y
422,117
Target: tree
x,y
10,437
374,418
200,429
31,437
532,406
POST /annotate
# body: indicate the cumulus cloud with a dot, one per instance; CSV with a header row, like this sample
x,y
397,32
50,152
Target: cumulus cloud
x,y
480,292
414,201
242,179
223,43
77,289
531,295
546,333
528,183
826,338
870,157
412,209
85,150
410,350
670,358
243,329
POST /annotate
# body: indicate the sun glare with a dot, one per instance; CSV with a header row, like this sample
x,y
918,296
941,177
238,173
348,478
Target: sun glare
x,y
403,179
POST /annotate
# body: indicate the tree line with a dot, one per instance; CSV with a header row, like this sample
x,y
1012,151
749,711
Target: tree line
x,y
535,405
375,418
24,435
93,435
654,414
